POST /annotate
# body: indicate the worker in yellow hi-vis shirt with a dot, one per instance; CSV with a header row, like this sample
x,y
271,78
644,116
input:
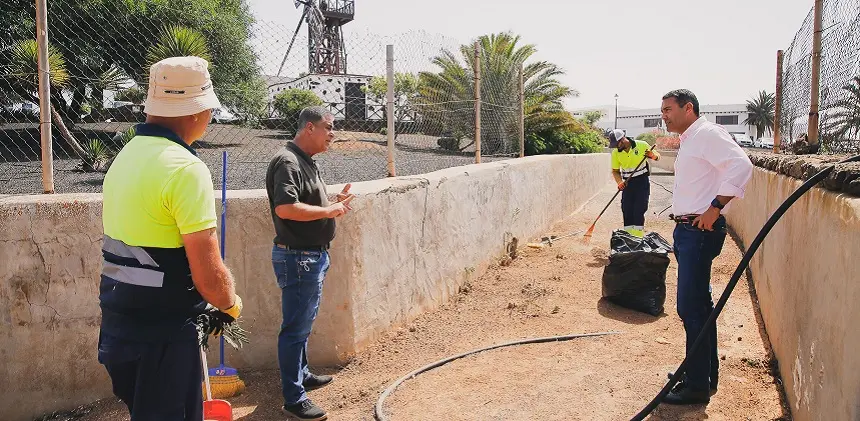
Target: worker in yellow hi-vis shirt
x,y
162,265
634,183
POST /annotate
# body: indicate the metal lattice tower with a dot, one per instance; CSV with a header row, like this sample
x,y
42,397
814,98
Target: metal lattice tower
x,y
326,48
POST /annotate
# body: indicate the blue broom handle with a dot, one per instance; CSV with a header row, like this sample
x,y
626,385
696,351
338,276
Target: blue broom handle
x,y
223,222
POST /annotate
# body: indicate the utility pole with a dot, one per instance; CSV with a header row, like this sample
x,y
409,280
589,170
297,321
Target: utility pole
x,y
389,106
44,96
616,111
812,128
522,114
777,115
477,102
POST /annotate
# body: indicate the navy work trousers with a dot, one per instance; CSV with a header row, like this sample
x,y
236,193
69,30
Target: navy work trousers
x,y
634,201
157,381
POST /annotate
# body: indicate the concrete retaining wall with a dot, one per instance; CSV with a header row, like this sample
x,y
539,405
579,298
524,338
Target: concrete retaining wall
x,y
807,276
666,162
408,245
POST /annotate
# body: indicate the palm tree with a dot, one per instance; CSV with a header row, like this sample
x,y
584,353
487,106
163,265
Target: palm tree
x,y
446,97
844,120
177,41
22,79
761,113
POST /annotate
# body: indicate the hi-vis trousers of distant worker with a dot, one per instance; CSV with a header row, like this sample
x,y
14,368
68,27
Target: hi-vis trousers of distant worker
x,y
634,204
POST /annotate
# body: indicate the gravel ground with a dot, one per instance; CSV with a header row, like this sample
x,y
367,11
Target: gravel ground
x,y
354,157
544,292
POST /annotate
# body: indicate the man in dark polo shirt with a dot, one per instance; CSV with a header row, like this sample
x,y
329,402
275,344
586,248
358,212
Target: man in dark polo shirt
x,y
304,226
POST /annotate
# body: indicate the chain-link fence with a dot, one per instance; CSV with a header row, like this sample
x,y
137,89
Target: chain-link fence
x,y
263,73
839,108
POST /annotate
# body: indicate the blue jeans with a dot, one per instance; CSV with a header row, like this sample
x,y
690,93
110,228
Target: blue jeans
x,y
300,276
695,250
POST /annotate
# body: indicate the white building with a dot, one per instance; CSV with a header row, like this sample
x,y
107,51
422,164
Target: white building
x,y
638,121
343,94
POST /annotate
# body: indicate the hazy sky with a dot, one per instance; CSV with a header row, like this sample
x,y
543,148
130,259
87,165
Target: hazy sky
x,y
725,51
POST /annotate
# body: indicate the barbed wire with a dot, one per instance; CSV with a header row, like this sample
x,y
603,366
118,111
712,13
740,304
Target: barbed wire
x,y
839,101
263,73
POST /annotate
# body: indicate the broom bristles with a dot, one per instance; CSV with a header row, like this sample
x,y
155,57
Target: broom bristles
x,y
225,386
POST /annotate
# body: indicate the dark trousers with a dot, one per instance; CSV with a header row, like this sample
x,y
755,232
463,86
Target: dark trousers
x,y
695,251
157,381
300,276
634,201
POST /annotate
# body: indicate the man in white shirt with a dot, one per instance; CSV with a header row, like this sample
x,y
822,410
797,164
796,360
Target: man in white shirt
x,y
710,170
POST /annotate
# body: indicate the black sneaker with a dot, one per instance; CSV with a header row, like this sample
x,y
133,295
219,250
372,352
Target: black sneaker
x,y
305,411
313,381
682,394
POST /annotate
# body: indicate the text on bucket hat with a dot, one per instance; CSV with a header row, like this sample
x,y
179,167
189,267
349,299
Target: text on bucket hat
x,y
180,86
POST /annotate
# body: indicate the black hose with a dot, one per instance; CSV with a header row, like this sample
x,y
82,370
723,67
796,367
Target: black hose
x,y
742,266
380,415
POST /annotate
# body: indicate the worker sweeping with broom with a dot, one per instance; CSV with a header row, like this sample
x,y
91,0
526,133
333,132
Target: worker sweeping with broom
x,y
633,178
162,267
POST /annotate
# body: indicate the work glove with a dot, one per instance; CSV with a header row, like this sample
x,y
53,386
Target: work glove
x,y
652,155
213,320
233,311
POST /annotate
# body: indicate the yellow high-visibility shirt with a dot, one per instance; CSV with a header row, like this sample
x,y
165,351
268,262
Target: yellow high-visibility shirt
x,y
626,161
157,190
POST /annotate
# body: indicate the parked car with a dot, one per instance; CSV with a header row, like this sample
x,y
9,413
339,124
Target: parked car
x,y
743,140
765,142
222,115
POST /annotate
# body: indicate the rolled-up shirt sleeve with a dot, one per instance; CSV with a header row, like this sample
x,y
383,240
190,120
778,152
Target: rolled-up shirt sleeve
x,y
733,164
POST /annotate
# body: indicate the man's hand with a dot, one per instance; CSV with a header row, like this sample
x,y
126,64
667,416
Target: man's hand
x,y
706,220
341,207
622,185
652,155
344,193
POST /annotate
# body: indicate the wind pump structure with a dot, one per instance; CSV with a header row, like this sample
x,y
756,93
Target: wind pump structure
x,y
326,48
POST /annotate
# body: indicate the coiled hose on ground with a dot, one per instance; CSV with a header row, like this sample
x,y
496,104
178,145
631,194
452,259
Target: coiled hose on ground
x,y
742,266
380,415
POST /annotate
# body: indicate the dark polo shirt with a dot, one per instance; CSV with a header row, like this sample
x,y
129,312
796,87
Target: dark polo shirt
x,y
293,177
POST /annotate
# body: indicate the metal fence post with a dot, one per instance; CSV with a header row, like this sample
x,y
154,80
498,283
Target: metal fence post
x,y
777,115
389,106
478,102
522,114
44,96
812,128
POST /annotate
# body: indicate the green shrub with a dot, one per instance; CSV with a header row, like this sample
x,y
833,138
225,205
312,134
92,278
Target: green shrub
x,y
650,137
289,103
96,156
576,140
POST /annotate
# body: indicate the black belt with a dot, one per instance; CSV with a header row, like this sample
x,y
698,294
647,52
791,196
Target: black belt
x,y
683,219
304,248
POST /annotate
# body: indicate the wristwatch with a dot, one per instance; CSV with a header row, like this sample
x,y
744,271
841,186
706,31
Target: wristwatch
x,y
716,203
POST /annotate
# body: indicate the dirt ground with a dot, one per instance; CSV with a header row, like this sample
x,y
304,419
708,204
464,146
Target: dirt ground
x,y
544,292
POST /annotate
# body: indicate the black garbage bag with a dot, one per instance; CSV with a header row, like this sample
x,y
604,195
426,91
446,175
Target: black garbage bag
x,y
635,277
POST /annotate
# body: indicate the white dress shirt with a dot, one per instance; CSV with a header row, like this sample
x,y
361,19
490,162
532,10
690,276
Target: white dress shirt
x,y
709,164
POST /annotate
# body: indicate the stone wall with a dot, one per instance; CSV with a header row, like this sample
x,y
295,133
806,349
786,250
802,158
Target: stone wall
x,y
407,246
806,279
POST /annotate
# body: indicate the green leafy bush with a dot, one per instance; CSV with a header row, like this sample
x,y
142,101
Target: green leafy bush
x,y
289,103
569,140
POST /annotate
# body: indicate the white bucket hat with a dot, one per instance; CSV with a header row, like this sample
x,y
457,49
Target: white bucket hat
x,y
180,86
